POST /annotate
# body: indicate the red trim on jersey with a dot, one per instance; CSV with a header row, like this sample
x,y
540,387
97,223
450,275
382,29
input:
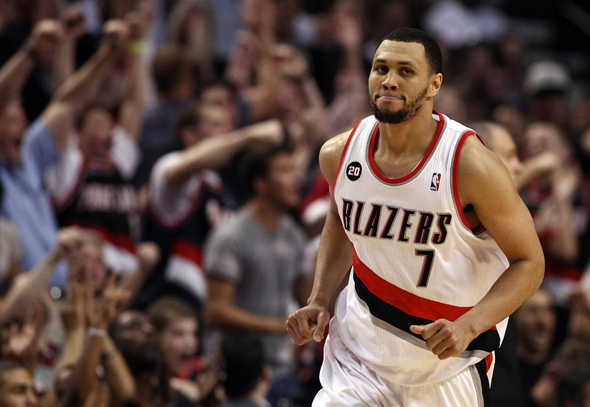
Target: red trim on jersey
x,y
456,195
489,360
403,300
441,125
176,223
478,229
116,239
344,153
188,250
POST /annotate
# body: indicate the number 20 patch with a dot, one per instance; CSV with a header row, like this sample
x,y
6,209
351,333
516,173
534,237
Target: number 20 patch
x,y
354,170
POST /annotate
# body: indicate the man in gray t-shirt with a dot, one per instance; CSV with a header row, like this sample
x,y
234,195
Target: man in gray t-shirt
x,y
255,260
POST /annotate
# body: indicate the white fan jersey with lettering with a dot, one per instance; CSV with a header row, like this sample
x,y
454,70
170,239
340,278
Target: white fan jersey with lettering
x,y
416,259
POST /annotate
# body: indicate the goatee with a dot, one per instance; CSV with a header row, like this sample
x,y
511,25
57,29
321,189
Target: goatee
x,y
401,115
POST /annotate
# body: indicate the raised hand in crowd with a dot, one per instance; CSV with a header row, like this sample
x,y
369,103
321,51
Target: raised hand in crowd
x,y
99,349
28,288
72,18
43,42
20,340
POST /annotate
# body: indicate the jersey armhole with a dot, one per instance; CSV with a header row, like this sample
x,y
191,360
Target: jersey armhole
x,y
343,154
456,196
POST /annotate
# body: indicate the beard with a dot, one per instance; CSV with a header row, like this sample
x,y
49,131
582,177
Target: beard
x,y
410,110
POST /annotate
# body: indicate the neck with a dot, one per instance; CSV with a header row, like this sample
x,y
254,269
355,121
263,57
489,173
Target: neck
x,y
265,212
412,135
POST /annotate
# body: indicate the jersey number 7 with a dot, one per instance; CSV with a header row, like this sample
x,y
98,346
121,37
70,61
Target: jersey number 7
x,y
426,267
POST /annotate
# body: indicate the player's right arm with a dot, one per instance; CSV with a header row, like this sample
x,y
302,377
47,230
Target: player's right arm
x,y
334,257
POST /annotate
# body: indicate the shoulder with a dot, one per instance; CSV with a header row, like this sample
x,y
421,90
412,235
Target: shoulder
x,y
480,170
330,155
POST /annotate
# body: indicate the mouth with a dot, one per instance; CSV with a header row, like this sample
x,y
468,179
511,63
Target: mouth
x,y
389,99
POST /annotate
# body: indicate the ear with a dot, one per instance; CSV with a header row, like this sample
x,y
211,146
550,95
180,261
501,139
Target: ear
x,y
435,84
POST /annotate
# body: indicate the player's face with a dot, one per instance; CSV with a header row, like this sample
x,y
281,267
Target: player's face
x,y
505,148
399,82
96,134
179,342
283,182
13,124
17,389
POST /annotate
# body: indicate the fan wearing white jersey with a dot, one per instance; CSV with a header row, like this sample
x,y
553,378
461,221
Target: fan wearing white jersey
x,y
441,246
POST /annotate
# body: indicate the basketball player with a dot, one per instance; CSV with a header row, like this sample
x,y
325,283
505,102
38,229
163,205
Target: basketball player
x,y
441,246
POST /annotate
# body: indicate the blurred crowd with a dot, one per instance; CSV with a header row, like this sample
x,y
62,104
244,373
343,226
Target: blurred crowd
x,y
161,201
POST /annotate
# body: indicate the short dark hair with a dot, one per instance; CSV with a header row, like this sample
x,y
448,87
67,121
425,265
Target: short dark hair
x,y
431,48
256,163
218,83
165,309
244,360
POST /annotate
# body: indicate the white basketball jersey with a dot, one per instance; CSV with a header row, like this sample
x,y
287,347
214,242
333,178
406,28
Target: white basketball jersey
x,y
416,258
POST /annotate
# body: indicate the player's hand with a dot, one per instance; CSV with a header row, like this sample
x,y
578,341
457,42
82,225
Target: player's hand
x,y
308,323
445,338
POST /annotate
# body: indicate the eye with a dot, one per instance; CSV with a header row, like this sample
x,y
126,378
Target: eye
x,y
381,68
407,71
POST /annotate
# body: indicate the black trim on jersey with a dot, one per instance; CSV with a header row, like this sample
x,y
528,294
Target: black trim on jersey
x,y
481,367
487,341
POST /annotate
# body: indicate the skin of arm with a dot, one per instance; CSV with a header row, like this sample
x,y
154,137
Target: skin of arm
x,y
133,103
73,20
502,212
222,313
334,257
117,373
17,69
28,288
83,85
263,98
215,152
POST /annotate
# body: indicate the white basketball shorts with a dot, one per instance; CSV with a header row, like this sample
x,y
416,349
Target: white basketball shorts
x,y
348,382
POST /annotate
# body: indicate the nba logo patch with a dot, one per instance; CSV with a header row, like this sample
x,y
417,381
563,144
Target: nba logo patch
x,y
435,183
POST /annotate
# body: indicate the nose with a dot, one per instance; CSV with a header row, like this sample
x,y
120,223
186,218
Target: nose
x,y
390,81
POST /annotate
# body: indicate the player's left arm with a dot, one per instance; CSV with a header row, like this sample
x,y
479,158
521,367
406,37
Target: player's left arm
x,y
485,183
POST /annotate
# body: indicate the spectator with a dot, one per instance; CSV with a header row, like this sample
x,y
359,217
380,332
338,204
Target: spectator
x,y
573,384
178,327
190,27
247,374
255,262
553,194
175,84
91,183
132,334
28,153
547,84
16,385
570,353
186,197
506,389
536,322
